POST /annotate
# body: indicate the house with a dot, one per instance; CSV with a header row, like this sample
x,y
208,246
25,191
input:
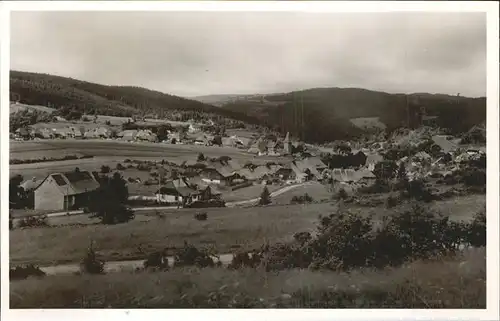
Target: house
x,y
272,148
43,133
31,185
23,133
447,143
179,191
219,174
146,135
128,135
65,191
372,160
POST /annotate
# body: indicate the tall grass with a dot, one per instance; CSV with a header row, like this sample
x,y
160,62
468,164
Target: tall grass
x,y
449,282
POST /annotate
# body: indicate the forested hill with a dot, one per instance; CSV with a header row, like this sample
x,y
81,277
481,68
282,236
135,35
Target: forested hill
x,y
322,114
57,92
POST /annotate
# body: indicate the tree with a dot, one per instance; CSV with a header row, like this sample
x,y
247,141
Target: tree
x,y
162,133
385,170
108,202
17,195
217,140
201,157
105,169
265,197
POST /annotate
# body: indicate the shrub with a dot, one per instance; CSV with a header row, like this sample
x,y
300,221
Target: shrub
x,y
341,194
474,177
189,255
33,221
250,259
131,180
302,199
476,235
202,216
206,204
391,201
417,190
120,167
90,264
201,157
105,169
157,260
23,272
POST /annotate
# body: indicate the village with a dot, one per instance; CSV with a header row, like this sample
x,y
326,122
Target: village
x,y
190,160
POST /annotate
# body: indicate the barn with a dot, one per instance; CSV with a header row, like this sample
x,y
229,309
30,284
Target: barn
x,y
65,191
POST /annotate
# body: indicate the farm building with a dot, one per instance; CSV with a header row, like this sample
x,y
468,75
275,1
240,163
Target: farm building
x,y
179,191
23,133
372,160
64,191
219,174
128,135
146,135
43,133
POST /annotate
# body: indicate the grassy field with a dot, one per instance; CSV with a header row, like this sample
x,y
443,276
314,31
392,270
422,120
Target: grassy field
x,y
226,230
458,282
317,191
112,152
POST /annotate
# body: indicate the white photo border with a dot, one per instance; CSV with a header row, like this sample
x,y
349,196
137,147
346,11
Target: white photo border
x,y
493,133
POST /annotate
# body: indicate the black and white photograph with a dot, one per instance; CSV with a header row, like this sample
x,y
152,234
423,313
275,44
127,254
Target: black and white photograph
x,y
272,159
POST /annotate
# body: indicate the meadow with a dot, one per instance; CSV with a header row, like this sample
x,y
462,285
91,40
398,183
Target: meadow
x,y
447,282
226,230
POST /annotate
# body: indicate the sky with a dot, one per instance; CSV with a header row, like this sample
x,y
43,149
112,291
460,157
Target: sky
x,y
203,53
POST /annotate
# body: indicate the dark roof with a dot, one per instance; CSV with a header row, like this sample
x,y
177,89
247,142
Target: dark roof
x,y
173,188
72,183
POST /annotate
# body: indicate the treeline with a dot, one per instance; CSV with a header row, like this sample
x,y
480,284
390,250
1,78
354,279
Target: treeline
x,y
90,98
322,114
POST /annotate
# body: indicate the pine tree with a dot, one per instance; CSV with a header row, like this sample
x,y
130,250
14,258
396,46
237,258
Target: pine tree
x,y
265,197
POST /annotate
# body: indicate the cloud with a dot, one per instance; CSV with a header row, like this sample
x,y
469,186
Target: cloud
x,y
197,53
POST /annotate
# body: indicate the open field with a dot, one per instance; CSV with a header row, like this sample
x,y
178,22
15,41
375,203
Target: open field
x,y
317,191
456,282
227,229
112,152
20,107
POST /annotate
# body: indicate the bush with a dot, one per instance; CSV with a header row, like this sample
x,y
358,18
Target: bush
x,y
33,221
302,199
157,260
105,169
189,255
23,272
341,194
202,216
476,235
391,201
474,177
120,167
201,157
250,259
90,264
206,204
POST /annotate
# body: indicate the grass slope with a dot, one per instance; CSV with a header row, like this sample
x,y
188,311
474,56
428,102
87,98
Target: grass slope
x,y
227,229
455,282
55,91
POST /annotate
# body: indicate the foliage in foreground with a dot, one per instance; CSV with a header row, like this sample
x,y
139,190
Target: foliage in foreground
x,y
451,282
345,241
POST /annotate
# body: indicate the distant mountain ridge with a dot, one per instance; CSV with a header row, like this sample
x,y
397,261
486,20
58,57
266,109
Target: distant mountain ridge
x,y
56,92
323,114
